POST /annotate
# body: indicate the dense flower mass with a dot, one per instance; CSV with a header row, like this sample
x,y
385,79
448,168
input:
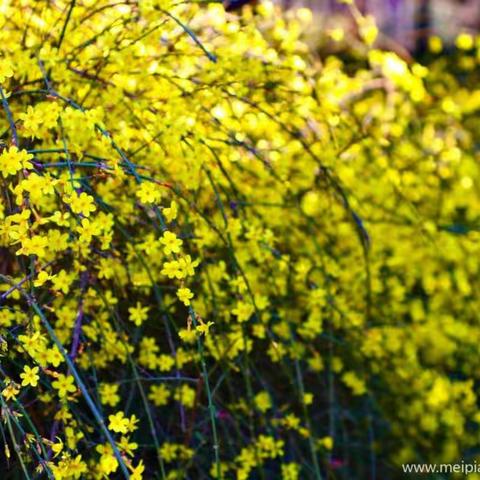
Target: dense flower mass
x,y
225,255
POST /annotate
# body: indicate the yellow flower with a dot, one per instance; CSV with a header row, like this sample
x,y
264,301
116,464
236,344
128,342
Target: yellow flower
x,y
291,471
148,193
263,402
53,356
368,29
165,363
132,423
187,335
32,120
159,395
138,314
11,390
172,270
6,70
12,160
170,242
355,383
57,447
118,423
168,451
170,213
108,463
35,245
326,442
243,311
186,395
137,472
82,204
203,328
30,376
109,394
311,203
435,44
88,229
187,265
308,398
185,295
127,447
337,34
42,278
61,281
61,218
64,384
465,41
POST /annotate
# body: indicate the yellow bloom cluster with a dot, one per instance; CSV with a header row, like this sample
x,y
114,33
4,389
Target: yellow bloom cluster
x,y
225,256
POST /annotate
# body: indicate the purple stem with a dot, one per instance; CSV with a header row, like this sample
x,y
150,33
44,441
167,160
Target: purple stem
x,y
78,321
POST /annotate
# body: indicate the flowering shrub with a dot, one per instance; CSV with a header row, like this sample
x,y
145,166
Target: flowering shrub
x,y
225,257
